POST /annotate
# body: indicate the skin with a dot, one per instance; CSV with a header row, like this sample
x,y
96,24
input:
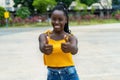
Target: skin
x,y
58,20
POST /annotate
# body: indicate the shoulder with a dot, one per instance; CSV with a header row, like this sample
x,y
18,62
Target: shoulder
x,y
44,34
71,37
41,36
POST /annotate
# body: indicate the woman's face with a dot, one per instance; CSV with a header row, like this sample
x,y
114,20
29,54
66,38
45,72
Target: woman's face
x,y
58,20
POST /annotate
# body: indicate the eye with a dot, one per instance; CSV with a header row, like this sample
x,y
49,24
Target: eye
x,y
53,19
60,19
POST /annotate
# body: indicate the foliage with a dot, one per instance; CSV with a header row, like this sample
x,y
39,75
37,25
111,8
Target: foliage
x,y
116,14
42,6
88,17
88,2
92,10
2,21
18,21
115,2
17,2
24,3
67,2
78,5
23,12
2,10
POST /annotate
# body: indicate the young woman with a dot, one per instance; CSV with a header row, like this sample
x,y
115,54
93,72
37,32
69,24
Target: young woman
x,y
58,46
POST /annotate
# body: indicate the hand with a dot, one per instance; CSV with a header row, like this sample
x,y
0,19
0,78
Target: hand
x,y
47,47
66,47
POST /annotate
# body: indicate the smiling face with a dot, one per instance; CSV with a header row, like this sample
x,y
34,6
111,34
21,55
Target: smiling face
x,y
58,20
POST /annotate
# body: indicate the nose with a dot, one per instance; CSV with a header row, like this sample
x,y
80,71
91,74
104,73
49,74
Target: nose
x,y
57,21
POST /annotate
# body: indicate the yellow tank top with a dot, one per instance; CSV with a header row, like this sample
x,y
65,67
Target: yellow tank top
x,y
57,58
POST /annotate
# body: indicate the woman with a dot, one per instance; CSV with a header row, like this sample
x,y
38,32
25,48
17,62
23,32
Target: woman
x,y
58,47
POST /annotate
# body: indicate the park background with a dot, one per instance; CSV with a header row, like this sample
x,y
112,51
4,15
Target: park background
x,y
97,30
37,12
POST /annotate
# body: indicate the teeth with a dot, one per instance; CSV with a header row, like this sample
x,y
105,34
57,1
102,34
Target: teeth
x,y
57,26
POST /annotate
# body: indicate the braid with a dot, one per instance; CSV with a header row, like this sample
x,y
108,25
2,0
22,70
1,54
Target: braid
x,y
61,6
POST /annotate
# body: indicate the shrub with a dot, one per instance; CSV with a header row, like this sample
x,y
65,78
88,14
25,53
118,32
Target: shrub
x,y
2,10
88,17
23,12
117,16
17,20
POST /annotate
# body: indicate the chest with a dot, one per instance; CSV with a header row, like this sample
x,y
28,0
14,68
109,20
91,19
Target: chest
x,y
56,44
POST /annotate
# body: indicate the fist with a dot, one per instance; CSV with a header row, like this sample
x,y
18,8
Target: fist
x,y
66,47
47,47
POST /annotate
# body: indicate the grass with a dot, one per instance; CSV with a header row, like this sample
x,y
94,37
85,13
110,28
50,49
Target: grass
x,y
94,22
83,22
71,23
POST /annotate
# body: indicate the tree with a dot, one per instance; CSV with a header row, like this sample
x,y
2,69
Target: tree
x,y
67,2
88,2
2,10
24,3
42,6
79,5
23,12
115,2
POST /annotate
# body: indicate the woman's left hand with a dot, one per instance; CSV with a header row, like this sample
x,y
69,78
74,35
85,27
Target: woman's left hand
x,y
70,45
66,47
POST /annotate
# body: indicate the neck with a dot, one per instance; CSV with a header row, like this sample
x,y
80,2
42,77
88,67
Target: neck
x,y
57,35
59,32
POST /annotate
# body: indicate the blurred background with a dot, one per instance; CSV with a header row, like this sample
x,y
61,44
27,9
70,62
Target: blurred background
x,y
96,24
14,13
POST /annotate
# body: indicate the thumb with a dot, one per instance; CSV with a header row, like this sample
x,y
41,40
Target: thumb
x,y
65,38
46,39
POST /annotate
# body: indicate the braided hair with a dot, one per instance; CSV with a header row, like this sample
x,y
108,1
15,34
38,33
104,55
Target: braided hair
x,y
62,7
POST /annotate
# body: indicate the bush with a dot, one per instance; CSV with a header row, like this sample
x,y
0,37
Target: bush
x,y
30,20
88,17
2,10
23,12
17,20
116,14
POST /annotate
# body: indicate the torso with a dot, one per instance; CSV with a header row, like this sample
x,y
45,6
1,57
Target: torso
x,y
66,58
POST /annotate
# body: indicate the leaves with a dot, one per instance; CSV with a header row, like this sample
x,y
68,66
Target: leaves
x,y
23,12
115,2
67,2
42,6
24,3
2,10
88,2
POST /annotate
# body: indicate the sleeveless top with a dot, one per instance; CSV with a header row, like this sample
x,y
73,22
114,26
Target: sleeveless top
x,y
57,58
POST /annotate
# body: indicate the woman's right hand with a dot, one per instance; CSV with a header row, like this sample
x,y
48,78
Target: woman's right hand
x,y
47,48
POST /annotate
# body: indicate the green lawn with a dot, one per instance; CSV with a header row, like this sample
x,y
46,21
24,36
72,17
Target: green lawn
x,y
71,23
94,22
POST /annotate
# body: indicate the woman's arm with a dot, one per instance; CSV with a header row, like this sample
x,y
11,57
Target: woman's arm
x,y
43,44
70,45
74,44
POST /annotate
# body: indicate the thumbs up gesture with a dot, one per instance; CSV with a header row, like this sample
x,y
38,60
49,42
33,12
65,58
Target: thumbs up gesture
x,y
66,47
47,47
